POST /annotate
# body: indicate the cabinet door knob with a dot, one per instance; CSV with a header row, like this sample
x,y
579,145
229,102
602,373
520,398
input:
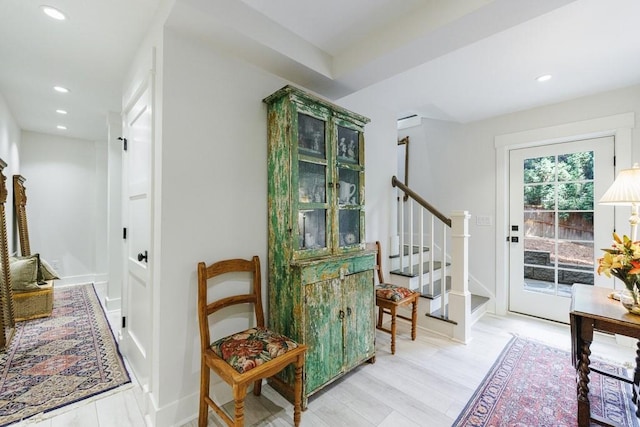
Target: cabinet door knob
x,y
348,311
341,315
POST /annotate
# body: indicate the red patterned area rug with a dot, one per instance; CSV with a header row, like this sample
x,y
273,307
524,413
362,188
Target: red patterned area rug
x,y
532,384
61,359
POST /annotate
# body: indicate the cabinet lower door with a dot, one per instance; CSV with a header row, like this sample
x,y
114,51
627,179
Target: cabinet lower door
x,y
324,319
358,291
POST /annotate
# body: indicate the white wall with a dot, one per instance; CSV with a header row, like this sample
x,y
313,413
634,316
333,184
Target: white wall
x,y
66,203
454,165
10,137
212,195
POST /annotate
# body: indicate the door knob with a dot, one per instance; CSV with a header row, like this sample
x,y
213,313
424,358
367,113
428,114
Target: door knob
x,y
142,256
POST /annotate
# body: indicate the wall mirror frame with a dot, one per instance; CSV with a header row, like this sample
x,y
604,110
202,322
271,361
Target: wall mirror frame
x,y
7,310
20,205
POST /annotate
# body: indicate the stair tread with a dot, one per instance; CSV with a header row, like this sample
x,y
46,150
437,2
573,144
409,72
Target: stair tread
x,y
436,315
437,289
407,272
416,249
477,301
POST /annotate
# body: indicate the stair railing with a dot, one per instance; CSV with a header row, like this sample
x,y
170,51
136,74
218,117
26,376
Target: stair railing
x,y
455,304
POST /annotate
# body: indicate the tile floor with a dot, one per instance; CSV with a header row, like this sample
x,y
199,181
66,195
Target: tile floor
x,y
427,383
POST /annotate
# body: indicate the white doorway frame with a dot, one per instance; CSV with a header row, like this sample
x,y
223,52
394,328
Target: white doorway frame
x,y
619,126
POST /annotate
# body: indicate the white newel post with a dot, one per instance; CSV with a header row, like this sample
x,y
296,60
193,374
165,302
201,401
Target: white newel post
x,y
459,297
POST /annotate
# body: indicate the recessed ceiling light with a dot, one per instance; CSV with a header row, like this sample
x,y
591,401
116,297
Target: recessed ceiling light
x,y
544,78
60,89
61,111
54,13
61,127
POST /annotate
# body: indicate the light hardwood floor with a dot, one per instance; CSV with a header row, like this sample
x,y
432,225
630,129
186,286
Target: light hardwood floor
x,y
426,383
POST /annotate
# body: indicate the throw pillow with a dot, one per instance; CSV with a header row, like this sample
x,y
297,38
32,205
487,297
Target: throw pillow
x,y
24,274
46,271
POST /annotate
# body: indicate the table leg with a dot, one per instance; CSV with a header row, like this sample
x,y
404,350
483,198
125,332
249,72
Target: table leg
x,y
585,334
636,379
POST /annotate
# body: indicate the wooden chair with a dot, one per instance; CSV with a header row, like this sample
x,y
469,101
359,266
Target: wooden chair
x,y
245,357
389,297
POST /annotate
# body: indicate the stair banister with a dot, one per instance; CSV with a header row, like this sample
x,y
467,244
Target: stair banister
x,y
460,297
444,301
401,227
421,252
456,304
415,196
432,245
411,265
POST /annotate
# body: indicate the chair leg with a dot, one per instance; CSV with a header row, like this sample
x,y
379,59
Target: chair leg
x,y
239,393
414,318
393,330
203,414
257,387
297,391
380,313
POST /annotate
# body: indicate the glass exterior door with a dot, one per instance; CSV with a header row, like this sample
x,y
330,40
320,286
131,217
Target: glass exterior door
x,y
557,228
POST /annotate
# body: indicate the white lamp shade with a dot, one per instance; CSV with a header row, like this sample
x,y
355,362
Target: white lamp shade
x,y
625,190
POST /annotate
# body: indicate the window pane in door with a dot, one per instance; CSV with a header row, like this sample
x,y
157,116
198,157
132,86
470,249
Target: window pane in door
x,y
539,169
575,166
575,196
539,196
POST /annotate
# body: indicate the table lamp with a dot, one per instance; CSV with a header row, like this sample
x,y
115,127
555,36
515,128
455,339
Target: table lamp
x,y
625,191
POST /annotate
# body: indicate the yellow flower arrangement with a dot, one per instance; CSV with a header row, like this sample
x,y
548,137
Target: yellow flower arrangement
x,y
622,260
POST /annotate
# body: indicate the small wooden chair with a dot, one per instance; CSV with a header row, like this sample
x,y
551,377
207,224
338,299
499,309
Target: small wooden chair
x,y
389,297
245,357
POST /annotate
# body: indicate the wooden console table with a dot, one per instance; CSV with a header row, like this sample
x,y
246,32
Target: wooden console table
x,y
592,309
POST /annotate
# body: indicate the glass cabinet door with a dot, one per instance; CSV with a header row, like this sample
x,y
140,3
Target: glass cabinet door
x,y
349,186
312,183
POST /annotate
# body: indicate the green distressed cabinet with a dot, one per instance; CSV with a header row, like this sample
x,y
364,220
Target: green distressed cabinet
x,y
321,285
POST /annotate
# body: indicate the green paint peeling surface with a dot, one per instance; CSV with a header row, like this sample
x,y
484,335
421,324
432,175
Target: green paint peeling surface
x,y
320,277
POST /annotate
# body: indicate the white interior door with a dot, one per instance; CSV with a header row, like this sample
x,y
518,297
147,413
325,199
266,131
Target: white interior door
x,y
137,285
557,228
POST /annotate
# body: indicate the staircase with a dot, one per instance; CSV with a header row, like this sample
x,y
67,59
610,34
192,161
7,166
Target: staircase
x,y
422,262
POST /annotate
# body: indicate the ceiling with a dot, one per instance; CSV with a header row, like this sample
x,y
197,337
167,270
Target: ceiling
x,y
458,60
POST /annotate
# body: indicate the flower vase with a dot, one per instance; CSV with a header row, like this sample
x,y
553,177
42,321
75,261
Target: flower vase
x,y
630,300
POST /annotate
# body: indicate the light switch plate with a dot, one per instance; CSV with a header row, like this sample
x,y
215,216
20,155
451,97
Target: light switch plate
x,y
484,220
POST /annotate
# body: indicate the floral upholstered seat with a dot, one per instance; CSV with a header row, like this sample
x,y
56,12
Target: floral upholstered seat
x,y
392,292
246,357
253,347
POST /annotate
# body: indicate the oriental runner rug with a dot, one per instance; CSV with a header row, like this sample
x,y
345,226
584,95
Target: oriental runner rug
x,y
54,361
532,384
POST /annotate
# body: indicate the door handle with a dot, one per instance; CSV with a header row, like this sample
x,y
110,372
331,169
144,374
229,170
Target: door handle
x,y
144,257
